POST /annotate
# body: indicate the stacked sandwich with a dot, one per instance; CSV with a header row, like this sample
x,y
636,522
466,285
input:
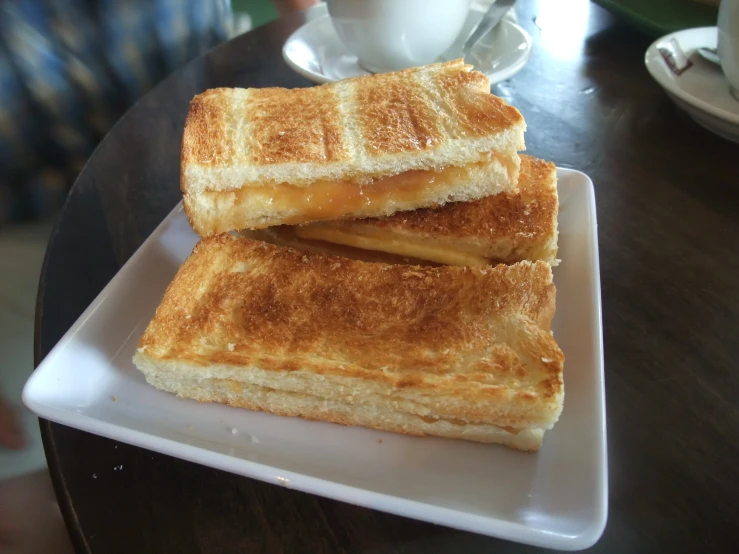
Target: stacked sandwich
x,y
374,252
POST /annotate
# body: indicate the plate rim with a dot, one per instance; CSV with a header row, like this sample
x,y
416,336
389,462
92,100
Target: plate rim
x,y
494,76
652,58
380,501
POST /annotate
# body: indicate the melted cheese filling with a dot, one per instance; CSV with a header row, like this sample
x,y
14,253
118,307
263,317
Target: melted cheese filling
x,y
391,245
334,199
325,200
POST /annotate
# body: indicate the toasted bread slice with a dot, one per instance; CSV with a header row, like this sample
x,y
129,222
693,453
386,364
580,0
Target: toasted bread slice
x,y
353,130
448,351
433,133
505,228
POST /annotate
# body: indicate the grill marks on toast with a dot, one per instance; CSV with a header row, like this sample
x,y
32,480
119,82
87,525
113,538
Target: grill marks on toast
x,y
353,131
395,116
243,128
427,82
209,142
347,98
294,126
476,113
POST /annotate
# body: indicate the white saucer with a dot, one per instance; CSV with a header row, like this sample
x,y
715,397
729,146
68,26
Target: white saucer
x,y
701,88
316,52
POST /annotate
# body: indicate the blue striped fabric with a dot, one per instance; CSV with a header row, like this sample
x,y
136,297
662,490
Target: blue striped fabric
x,y
70,68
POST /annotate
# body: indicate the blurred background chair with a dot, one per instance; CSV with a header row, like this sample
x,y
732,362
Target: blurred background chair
x,y
68,71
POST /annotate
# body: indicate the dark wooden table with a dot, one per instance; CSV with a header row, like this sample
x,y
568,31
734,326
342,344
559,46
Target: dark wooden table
x,y
668,206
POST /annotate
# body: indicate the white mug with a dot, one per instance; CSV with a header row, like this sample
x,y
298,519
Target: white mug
x,y
389,35
728,43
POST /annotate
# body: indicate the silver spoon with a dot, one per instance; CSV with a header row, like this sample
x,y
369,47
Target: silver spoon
x,y
489,20
710,54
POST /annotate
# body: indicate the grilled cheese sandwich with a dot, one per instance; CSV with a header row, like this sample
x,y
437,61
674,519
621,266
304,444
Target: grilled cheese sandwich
x,y
364,147
446,351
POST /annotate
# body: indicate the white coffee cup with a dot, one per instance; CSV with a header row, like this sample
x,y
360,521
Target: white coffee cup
x,y
728,42
389,35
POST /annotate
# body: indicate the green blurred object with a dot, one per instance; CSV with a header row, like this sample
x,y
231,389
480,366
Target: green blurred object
x,y
260,11
661,17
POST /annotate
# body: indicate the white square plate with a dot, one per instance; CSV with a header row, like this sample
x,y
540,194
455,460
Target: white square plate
x,y
556,497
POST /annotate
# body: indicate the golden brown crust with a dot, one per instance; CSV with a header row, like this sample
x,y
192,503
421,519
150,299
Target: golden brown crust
x,y
205,140
478,336
294,125
367,127
472,107
417,109
395,114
